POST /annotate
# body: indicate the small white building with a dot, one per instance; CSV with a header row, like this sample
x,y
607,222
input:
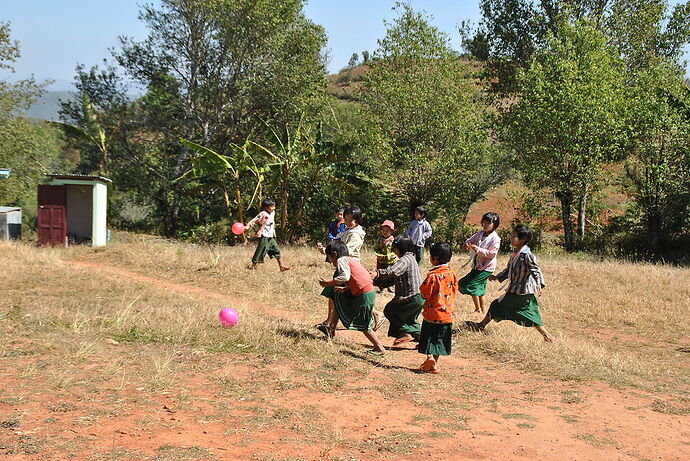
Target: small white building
x,y
10,223
73,208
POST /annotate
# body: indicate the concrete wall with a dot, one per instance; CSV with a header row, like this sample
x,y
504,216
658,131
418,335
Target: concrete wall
x,y
79,211
100,209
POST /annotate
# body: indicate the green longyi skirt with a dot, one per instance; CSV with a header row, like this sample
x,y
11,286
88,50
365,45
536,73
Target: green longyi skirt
x,y
521,309
435,338
355,312
474,283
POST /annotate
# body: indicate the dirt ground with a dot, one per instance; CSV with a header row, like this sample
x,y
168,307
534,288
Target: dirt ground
x,y
505,413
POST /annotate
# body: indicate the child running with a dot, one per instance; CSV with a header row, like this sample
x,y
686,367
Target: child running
x,y
351,296
484,246
267,235
438,290
402,311
419,231
525,279
336,227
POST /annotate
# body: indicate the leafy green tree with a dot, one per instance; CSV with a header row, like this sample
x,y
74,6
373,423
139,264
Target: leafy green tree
x,y
647,31
212,70
354,60
428,117
659,169
570,119
212,169
29,149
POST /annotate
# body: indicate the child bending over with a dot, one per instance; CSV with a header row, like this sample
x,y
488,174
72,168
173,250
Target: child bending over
x,y
351,295
402,311
438,290
525,279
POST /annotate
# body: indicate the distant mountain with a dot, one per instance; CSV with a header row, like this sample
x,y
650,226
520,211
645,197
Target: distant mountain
x,y
46,108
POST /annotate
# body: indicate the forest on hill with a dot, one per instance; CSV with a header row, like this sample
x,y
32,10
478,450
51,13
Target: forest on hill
x,y
559,96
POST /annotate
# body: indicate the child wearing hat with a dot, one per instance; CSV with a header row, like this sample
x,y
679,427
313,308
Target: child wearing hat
x,y
385,256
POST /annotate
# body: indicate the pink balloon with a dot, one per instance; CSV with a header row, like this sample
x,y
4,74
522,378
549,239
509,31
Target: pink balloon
x,y
238,228
228,317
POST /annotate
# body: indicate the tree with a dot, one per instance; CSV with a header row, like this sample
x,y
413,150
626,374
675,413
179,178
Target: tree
x,y
570,118
428,116
659,169
354,59
29,149
212,70
214,170
365,57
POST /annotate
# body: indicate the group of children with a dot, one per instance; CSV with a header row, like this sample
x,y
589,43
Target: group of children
x,y
352,290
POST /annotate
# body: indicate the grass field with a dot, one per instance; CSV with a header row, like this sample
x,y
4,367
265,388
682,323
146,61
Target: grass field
x,y
116,353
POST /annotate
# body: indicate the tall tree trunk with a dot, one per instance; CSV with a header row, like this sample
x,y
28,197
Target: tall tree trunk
x,y
566,199
581,210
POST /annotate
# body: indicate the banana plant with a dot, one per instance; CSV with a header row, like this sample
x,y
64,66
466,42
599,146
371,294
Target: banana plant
x,y
93,132
217,169
305,149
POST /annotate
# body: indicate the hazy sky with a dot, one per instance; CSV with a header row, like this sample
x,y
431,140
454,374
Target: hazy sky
x,y
56,35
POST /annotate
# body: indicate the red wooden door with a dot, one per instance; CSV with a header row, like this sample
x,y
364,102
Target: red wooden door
x,y
52,215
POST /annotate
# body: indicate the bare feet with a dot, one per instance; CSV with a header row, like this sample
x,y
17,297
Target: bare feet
x,y
402,339
429,366
284,268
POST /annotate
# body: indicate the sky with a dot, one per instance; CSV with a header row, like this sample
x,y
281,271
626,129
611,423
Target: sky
x,y
55,36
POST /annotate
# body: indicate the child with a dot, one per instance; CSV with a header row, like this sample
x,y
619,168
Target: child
x,y
353,236
484,245
267,242
525,279
438,290
338,226
385,256
402,311
351,295
419,231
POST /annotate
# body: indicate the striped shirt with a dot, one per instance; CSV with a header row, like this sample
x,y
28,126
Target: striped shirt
x,y
407,277
524,273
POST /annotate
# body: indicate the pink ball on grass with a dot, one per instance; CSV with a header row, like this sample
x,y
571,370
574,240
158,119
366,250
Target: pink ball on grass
x,y
228,317
238,228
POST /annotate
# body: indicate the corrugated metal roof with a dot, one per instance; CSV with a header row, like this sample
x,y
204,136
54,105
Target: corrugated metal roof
x,y
81,177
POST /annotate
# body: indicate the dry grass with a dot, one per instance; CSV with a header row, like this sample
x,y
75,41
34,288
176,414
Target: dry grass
x,y
614,321
140,315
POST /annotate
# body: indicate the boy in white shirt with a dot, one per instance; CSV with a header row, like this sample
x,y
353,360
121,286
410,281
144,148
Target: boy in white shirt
x,y
267,235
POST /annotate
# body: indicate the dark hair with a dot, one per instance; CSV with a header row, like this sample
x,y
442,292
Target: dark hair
x,y
339,209
493,218
403,243
441,252
267,202
337,247
355,212
523,232
421,210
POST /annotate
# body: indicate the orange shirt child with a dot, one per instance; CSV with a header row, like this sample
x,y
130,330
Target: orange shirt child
x,y
439,290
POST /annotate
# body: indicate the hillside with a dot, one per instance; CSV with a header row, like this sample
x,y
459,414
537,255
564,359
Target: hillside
x,y
48,105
